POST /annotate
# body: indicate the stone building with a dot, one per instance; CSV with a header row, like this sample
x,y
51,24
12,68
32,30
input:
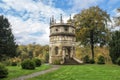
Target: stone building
x,y
62,41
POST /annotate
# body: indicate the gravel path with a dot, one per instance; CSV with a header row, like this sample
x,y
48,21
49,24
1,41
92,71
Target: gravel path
x,y
54,67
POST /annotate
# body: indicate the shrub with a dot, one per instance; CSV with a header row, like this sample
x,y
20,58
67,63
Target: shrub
x,y
57,62
118,61
13,63
37,62
46,57
91,61
3,71
28,64
6,63
86,59
101,60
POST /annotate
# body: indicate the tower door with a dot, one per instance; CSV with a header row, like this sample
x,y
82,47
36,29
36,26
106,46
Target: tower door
x,y
67,53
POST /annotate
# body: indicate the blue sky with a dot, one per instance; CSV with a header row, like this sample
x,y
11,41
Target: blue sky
x,y
30,18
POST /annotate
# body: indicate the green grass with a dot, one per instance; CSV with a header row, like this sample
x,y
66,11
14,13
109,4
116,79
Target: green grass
x,y
15,71
83,72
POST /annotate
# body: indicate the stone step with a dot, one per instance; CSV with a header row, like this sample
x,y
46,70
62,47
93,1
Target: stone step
x,y
71,61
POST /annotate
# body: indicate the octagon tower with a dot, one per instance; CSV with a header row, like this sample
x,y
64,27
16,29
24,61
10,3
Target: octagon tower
x,y
62,41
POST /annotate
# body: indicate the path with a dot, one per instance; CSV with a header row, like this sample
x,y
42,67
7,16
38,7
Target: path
x,y
54,67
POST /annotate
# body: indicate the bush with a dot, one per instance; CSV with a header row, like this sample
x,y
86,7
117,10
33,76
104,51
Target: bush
x,y
101,60
6,63
46,57
37,62
91,61
13,63
57,62
28,64
3,71
86,59
118,61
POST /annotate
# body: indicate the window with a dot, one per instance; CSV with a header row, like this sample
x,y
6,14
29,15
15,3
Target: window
x,y
56,50
66,29
56,30
73,31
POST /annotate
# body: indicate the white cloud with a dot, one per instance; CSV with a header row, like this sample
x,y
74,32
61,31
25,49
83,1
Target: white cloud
x,y
28,17
116,14
77,5
33,18
23,30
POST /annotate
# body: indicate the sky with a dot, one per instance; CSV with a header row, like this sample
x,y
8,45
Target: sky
x,y
29,19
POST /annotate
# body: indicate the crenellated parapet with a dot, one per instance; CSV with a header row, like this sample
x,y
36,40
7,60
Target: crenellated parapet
x,y
61,22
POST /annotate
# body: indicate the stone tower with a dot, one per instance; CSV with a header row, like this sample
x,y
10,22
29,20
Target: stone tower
x,y
62,41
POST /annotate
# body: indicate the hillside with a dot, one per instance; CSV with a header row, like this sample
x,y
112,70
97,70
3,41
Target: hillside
x,y
82,51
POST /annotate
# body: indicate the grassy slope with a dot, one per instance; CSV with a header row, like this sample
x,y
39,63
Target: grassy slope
x,y
81,52
15,71
83,72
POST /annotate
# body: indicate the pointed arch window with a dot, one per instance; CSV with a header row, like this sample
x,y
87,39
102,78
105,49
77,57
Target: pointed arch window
x,y
56,50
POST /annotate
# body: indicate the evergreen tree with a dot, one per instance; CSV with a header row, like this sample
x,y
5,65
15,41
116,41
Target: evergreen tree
x,y
7,44
115,46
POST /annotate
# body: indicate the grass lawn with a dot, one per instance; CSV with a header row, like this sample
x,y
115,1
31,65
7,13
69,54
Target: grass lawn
x,y
83,72
15,71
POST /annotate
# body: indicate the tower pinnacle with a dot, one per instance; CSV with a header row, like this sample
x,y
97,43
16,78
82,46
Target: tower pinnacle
x,y
70,17
52,22
61,21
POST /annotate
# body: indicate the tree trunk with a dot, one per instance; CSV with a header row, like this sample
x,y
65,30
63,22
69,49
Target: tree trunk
x,y
92,43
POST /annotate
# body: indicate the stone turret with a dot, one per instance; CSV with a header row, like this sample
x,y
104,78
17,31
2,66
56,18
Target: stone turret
x,y
62,41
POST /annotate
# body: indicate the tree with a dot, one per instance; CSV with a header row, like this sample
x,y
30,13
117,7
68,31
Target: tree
x,y
46,53
117,18
33,50
7,45
91,27
115,46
